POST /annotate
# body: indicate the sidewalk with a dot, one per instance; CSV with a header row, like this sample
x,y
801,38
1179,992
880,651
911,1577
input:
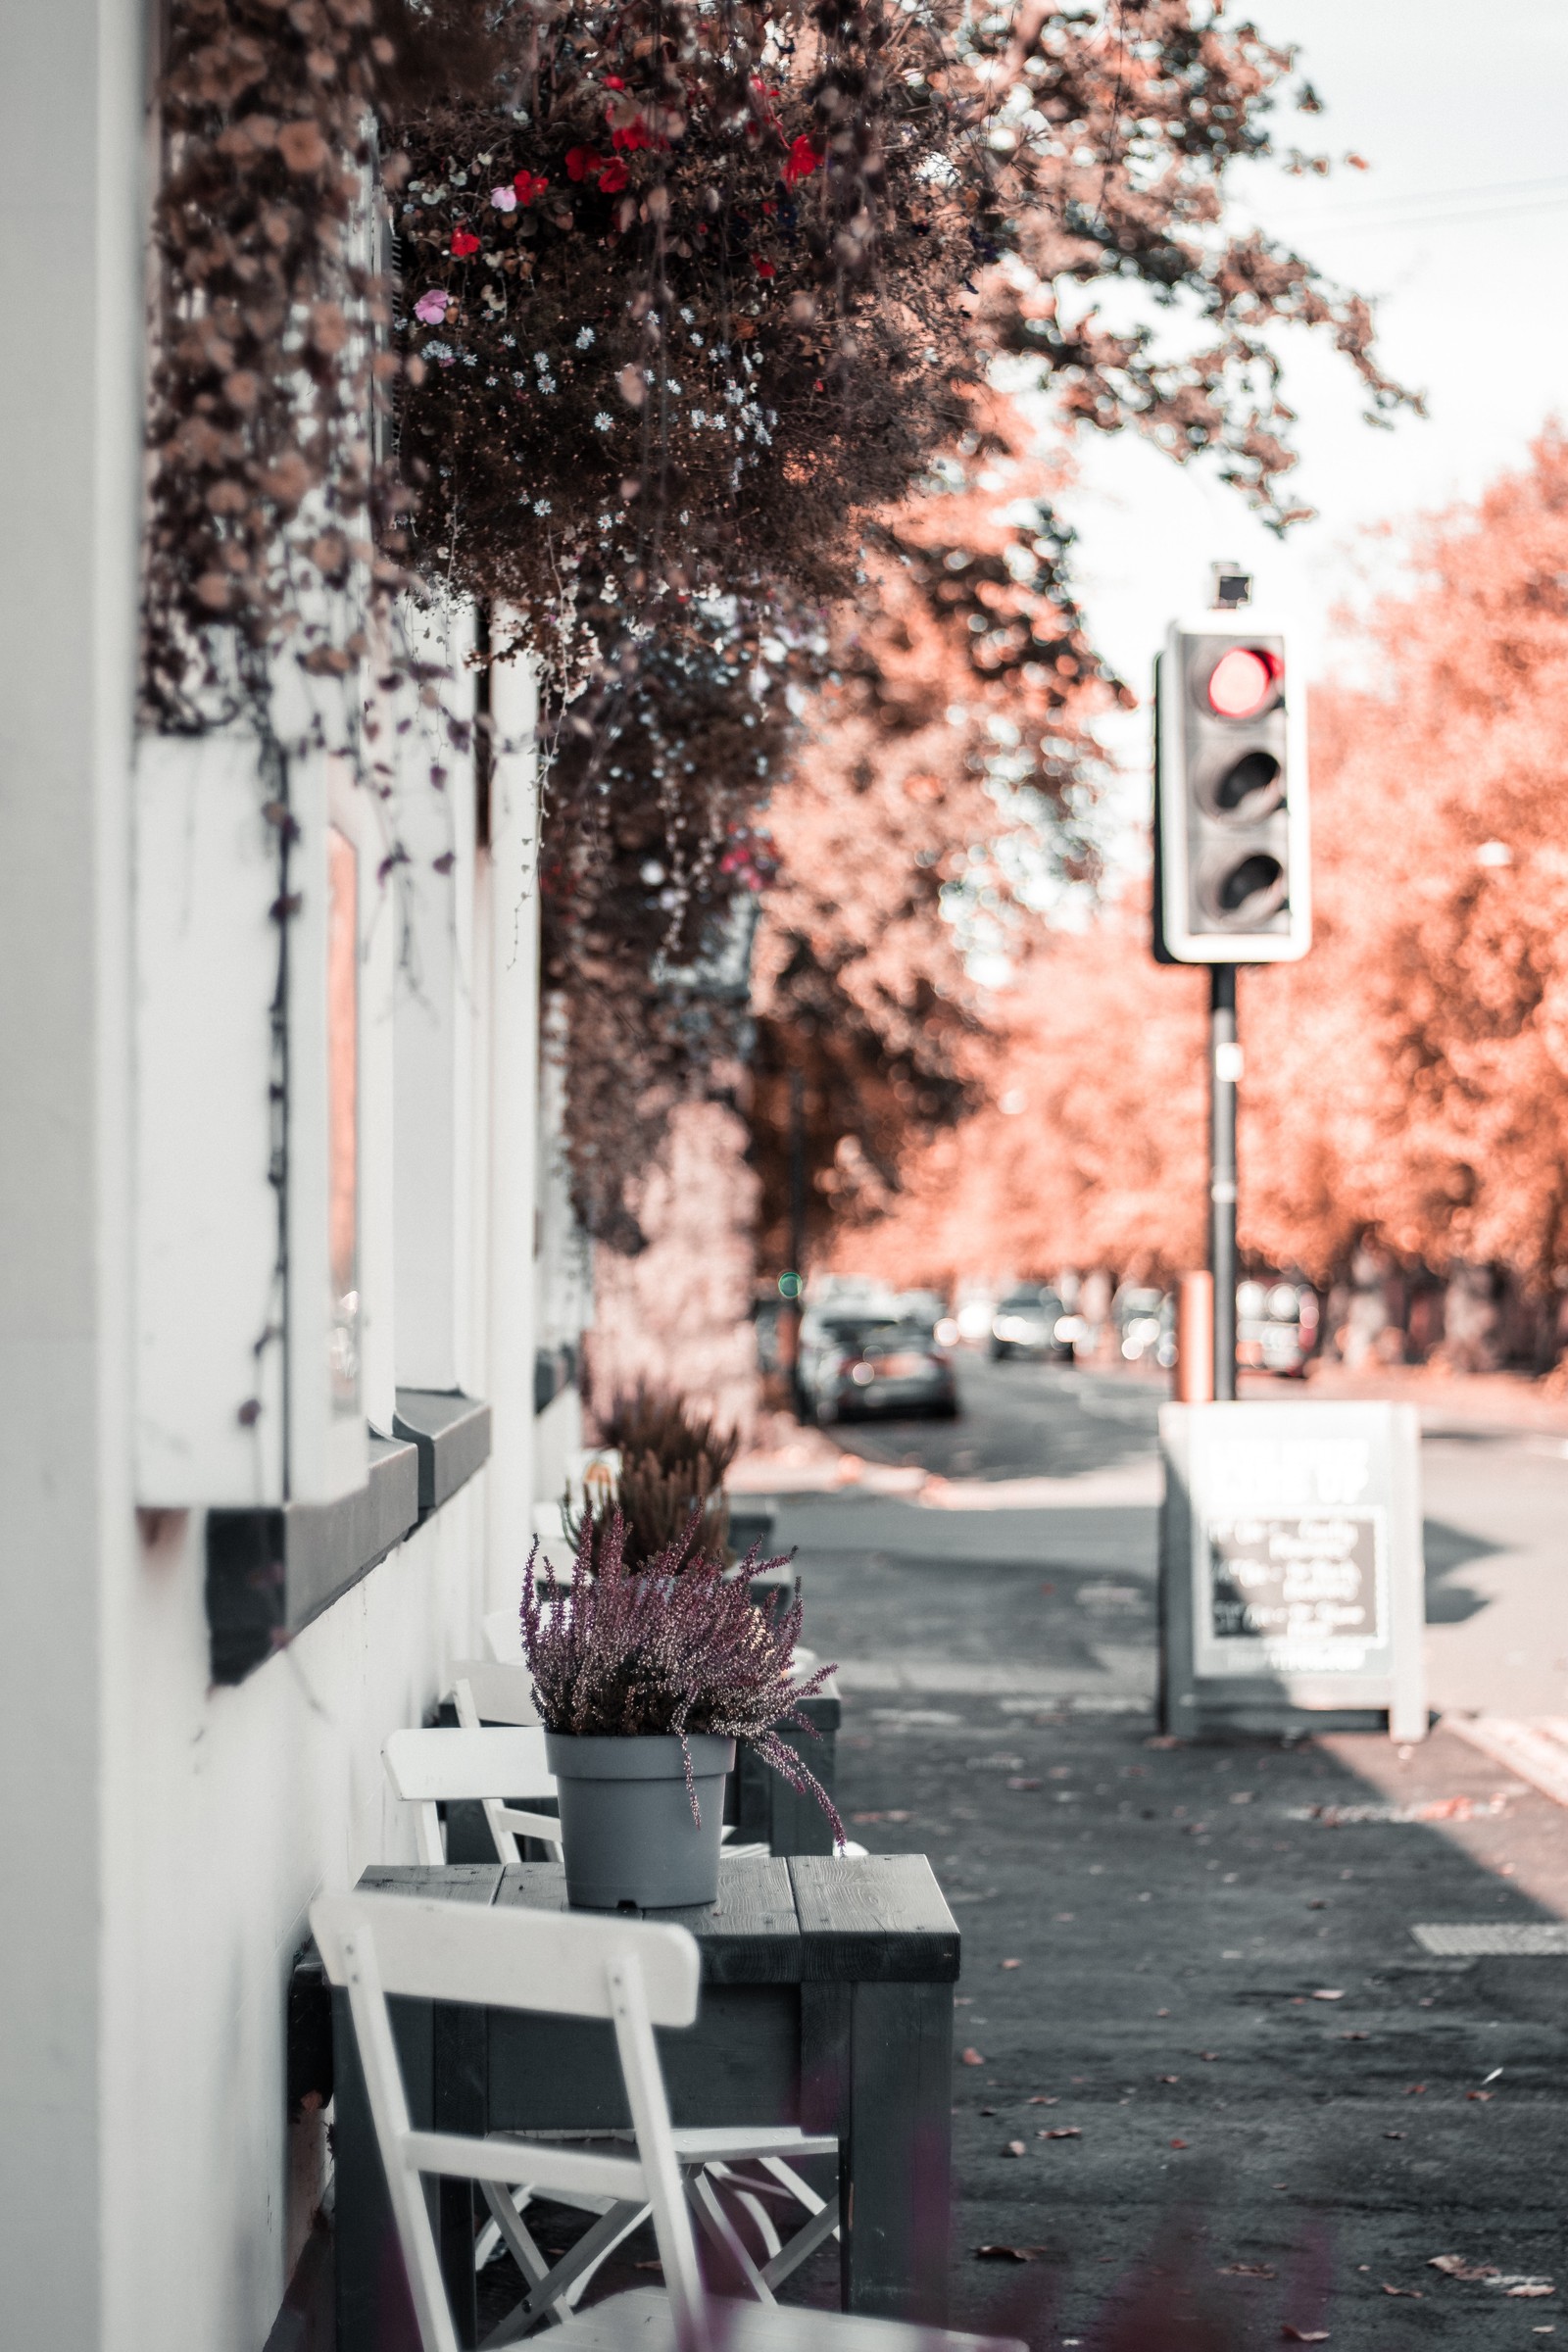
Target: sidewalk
x,y
1215,2086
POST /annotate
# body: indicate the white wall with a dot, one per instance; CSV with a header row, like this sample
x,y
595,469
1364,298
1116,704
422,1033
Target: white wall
x,y
69,480
237,1806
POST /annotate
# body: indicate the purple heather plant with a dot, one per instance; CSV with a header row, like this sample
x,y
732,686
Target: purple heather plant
x,y
678,1646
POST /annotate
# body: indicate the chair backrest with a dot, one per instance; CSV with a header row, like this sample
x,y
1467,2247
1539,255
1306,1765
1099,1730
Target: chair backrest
x,y
502,1693
482,1763
495,1760
503,1636
633,1974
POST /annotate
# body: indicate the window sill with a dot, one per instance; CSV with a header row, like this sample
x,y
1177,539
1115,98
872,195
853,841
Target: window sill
x,y
452,1432
270,1572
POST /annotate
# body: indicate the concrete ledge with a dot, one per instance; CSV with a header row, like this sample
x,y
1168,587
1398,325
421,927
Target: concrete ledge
x,y
452,1432
270,1572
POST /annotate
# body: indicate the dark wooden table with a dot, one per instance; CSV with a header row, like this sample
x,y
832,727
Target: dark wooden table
x,y
826,2002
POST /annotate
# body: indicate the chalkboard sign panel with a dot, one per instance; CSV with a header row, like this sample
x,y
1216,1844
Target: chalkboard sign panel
x,y
1290,1563
1303,1584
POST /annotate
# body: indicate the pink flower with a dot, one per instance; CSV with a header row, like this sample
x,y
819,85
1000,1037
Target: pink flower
x,y
504,200
431,307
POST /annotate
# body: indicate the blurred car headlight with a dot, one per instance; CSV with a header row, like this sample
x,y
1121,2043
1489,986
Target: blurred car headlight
x,y
1069,1328
946,1332
1013,1327
861,1375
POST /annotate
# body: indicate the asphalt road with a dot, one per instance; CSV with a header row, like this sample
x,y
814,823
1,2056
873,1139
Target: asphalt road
x,y
1215,2089
1496,1504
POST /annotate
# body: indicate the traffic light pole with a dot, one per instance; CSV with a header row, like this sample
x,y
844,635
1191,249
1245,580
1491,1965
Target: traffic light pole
x,y
1224,1070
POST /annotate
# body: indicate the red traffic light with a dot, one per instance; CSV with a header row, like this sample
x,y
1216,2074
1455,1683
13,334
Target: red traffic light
x,y
1243,682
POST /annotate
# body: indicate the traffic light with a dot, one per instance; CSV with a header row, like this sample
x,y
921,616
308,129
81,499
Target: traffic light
x,y
1231,864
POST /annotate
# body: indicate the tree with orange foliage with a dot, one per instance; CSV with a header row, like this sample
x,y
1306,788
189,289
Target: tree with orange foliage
x,y
949,752
1408,1082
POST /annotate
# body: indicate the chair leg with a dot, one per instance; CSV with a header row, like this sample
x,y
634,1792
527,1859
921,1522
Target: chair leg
x,y
562,2285
751,2193
506,2220
821,2226
705,2203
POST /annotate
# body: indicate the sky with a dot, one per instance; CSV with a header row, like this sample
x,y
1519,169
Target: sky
x,y
1458,232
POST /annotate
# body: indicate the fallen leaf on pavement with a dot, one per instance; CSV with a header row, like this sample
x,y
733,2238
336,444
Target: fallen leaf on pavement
x,y
1013,1964
1040,2099
1061,2132
1208,2055
1530,2289
988,2110
1303,2335
1355,2036
1017,1781
972,2058
1394,2134
1178,2143
1481,2095
1246,2270
1007,2253
1016,2147
1167,2077
1458,2266
1415,2090
1327,1994
1414,2292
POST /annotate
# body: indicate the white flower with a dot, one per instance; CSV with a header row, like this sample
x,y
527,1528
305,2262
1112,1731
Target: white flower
x,y
698,419
541,359
541,505
602,425
547,383
585,336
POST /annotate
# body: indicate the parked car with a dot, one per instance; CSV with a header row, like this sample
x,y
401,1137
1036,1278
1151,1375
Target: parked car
x,y
1276,1326
1033,1321
885,1366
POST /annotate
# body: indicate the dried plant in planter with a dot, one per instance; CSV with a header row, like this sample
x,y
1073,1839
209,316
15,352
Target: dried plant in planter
x,y
672,1465
679,1648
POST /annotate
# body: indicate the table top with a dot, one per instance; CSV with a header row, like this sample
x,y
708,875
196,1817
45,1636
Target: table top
x,y
803,1919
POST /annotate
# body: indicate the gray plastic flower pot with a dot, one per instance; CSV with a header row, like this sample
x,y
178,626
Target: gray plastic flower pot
x,y
626,1826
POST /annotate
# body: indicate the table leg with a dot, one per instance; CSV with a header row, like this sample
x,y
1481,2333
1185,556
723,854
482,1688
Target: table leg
x,y
897,2168
374,2309
461,2104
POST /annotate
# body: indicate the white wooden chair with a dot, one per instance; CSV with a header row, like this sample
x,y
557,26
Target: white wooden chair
x,y
634,1975
501,1694
487,1765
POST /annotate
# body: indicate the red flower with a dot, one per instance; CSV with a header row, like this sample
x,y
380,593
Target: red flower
x,y
463,242
612,178
529,185
612,81
633,136
582,163
801,162
765,270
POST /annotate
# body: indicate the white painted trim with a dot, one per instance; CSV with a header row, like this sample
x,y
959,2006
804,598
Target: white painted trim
x,y
433,1028
206,1242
